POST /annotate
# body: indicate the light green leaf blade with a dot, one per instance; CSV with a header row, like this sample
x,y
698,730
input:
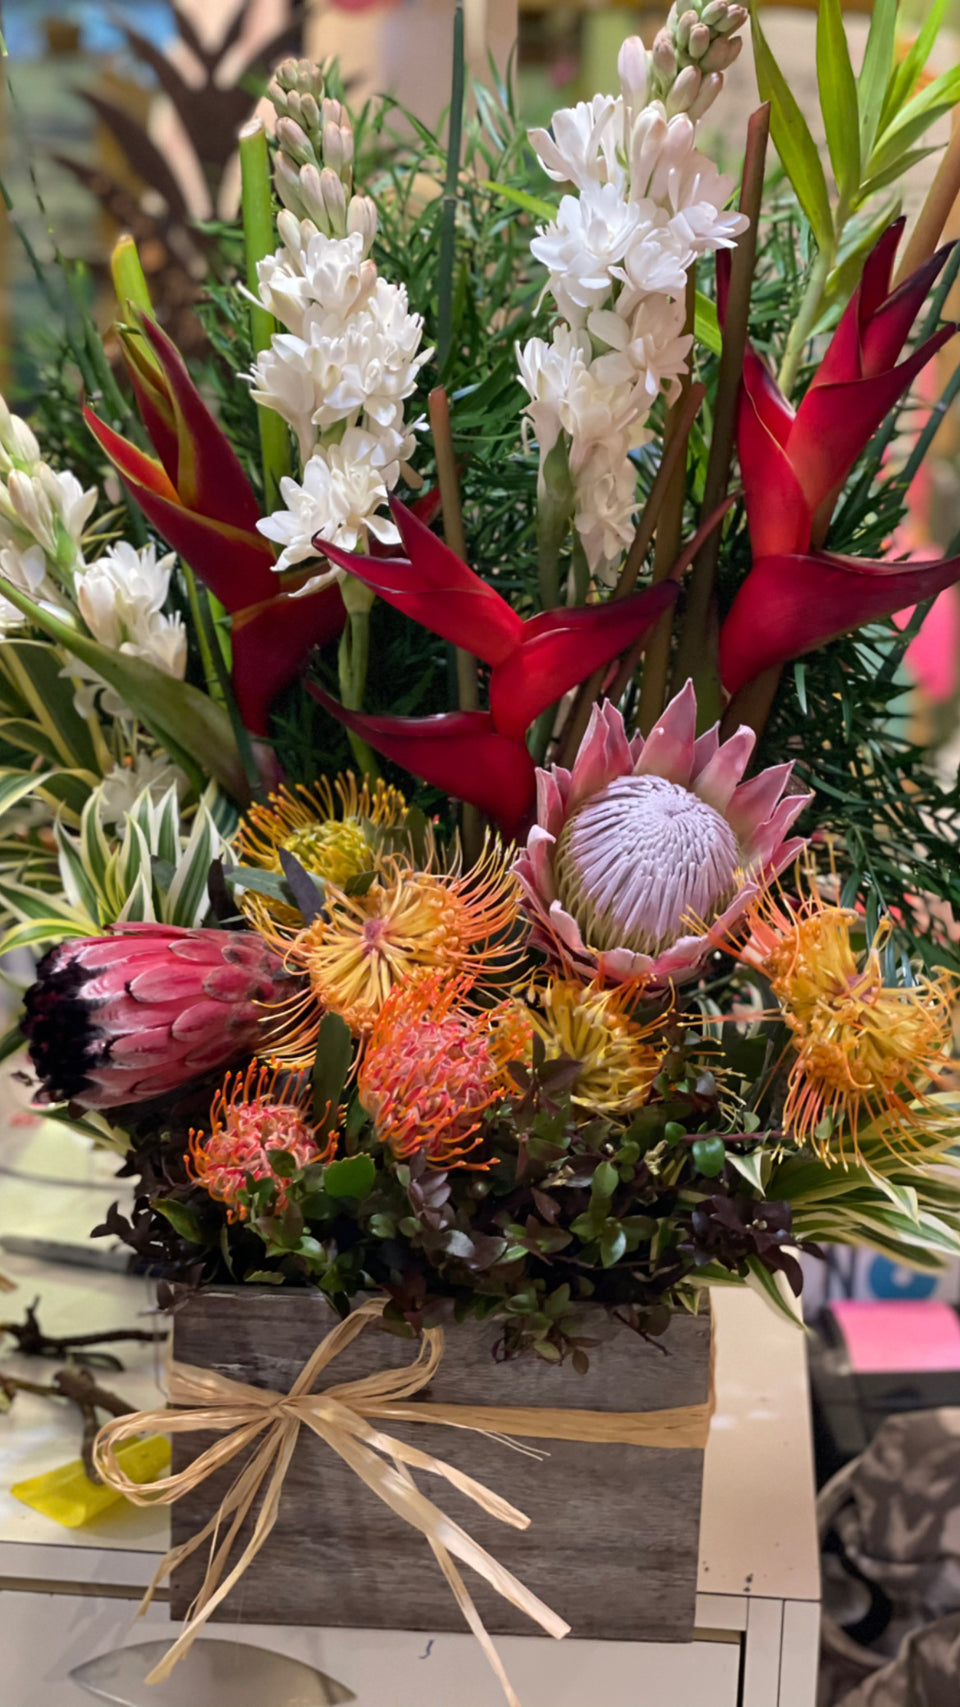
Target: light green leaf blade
x,y
520,198
838,97
875,71
913,119
94,844
905,76
138,907
706,326
193,729
791,137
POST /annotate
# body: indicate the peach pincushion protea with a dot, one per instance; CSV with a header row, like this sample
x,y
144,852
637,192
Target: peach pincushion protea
x,y
649,850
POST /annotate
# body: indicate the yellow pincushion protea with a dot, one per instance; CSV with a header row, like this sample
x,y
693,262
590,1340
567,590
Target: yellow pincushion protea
x,y
592,1025
336,832
405,923
866,1052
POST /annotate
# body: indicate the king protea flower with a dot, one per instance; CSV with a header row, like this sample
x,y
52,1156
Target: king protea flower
x,y
136,1014
648,848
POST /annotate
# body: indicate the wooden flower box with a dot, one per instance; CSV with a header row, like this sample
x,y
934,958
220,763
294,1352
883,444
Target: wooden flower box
x,y
613,1540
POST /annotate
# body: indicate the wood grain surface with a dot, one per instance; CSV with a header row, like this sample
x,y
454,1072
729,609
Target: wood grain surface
x,y
612,1544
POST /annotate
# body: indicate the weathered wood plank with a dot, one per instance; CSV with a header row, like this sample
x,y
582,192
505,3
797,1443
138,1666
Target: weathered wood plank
x,y
612,1545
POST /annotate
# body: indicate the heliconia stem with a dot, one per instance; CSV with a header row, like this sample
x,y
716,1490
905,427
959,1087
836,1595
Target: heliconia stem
x,y
468,688
934,213
656,657
753,703
673,450
259,241
697,649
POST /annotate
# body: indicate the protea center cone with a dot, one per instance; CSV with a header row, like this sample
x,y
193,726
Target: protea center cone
x,y
644,855
135,1014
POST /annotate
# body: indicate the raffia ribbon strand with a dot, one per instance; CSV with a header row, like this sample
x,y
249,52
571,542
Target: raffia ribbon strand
x,y
341,1416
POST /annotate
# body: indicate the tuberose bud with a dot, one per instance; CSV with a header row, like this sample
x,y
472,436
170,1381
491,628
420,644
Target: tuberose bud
x,y
699,41
632,67
685,90
721,53
709,90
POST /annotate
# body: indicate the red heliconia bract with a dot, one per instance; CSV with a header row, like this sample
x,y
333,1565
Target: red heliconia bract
x,y
793,464
200,501
137,1013
482,756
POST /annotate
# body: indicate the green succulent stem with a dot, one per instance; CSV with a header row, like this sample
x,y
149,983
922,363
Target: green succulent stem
x,y
260,240
811,306
353,659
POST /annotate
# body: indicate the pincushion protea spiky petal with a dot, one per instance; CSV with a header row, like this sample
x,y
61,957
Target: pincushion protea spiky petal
x,y
252,1115
646,848
431,1067
143,1010
866,1051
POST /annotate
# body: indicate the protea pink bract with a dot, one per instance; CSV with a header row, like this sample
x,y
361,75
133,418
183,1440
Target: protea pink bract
x,y
143,1010
647,852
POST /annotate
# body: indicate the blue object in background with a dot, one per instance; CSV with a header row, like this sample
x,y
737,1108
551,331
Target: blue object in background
x,y
892,1280
23,21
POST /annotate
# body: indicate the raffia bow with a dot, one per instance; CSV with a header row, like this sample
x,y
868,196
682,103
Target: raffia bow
x,y
341,1416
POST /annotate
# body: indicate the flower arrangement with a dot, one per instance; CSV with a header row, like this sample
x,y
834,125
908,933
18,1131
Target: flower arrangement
x,y
450,765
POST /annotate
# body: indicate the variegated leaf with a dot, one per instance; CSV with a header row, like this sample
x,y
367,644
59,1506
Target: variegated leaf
x,y
186,900
78,886
139,903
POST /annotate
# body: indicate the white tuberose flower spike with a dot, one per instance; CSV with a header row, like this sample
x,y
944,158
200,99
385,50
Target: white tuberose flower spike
x,y
646,205
348,358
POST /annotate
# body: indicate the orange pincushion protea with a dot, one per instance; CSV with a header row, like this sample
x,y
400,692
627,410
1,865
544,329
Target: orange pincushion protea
x,y
407,922
430,1068
249,1118
866,1051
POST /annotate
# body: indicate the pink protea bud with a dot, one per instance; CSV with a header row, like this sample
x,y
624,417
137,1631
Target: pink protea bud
x,y
648,848
136,1014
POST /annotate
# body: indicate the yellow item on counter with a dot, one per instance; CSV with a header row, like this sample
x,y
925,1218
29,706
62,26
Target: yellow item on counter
x,y
68,1495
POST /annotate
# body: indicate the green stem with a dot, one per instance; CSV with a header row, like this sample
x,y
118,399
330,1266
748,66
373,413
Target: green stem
x,y
352,661
201,605
808,316
468,689
448,206
556,502
205,640
259,241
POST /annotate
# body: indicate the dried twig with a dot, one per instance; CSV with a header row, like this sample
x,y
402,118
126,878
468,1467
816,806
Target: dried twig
x,y
79,1388
33,1342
